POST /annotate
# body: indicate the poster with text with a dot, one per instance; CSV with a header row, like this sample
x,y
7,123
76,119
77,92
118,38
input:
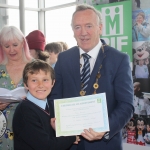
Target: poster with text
x,y
117,22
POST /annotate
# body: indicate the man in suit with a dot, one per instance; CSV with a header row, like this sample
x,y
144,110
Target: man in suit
x,y
109,72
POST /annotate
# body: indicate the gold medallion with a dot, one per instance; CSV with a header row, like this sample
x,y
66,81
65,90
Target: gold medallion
x,y
82,93
95,85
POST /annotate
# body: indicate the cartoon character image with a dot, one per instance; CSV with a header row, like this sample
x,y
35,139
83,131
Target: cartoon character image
x,y
147,135
141,52
140,131
131,132
141,61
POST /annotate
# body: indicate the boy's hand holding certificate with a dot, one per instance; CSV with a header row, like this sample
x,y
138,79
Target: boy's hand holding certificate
x,y
73,115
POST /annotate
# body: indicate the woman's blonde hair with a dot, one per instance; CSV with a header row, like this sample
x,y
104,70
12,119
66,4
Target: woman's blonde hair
x,y
9,33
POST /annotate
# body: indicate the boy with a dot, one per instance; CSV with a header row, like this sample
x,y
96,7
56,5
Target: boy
x,y
31,122
53,49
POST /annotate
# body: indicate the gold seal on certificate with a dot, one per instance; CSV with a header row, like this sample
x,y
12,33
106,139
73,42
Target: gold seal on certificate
x,y
73,115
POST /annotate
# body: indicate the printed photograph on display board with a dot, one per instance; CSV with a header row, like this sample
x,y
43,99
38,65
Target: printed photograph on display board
x,y
141,64
137,131
140,4
141,25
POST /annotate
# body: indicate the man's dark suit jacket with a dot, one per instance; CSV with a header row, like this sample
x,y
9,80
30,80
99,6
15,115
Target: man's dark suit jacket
x,y
115,81
32,129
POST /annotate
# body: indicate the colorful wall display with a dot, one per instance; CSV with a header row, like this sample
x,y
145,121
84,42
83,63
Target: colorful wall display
x,y
141,74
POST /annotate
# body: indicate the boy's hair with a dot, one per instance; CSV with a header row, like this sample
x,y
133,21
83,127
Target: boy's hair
x,y
64,45
55,47
34,67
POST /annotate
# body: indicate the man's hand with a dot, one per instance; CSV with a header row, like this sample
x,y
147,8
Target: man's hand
x,y
3,105
52,122
91,135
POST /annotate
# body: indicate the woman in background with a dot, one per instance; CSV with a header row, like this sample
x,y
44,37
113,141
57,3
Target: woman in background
x,y
14,55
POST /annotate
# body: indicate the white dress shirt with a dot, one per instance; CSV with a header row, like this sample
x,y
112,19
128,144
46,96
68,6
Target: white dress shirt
x,y
93,53
40,103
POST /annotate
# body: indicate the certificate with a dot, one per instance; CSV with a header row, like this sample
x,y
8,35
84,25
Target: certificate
x,y
73,115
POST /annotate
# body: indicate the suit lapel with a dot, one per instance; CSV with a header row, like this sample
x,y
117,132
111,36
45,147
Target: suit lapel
x,y
75,67
98,63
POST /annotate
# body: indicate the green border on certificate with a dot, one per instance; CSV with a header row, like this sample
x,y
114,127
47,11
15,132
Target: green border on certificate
x,y
73,115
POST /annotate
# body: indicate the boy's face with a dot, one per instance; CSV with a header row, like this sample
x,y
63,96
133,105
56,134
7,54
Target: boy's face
x,y
40,84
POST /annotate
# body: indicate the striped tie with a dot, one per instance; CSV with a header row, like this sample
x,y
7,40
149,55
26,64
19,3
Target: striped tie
x,y
85,73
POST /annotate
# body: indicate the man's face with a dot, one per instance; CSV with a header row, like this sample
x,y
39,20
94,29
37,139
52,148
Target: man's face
x,y
86,29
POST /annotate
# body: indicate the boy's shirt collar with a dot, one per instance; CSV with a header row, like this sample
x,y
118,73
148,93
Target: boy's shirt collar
x,y
40,103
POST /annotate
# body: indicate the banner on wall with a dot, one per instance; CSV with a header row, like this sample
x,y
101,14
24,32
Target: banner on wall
x,y
117,31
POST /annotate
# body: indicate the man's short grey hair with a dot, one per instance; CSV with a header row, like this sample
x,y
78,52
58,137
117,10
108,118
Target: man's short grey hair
x,y
83,7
